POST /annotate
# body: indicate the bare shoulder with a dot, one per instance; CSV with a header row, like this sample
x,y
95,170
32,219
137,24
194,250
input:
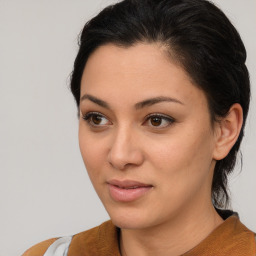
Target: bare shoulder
x,y
39,249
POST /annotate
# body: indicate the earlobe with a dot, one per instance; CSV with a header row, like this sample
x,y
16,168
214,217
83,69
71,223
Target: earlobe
x,y
228,130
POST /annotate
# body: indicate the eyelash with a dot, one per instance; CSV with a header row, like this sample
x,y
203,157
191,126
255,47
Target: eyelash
x,y
88,118
168,119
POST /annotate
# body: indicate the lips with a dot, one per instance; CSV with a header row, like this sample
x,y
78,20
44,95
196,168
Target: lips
x,y
127,190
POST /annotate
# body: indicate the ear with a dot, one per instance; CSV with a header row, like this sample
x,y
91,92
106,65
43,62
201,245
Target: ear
x,y
227,130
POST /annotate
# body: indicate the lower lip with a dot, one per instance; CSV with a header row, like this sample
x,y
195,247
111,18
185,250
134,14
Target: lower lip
x,y
127,195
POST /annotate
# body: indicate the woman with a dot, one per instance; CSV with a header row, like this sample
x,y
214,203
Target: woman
x,y
163,94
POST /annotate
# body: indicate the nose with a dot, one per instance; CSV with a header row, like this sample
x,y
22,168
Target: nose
x,y
125,150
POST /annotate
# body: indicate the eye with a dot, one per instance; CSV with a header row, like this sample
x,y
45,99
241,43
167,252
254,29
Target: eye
x,y
159,121
96,119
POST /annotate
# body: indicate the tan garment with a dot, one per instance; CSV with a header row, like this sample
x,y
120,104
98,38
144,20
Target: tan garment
x,y
231,238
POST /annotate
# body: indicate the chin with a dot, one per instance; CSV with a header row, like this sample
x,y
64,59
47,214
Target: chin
x,y
127,223
131,219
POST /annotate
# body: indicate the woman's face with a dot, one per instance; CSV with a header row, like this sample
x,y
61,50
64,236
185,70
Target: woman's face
x,y
145,136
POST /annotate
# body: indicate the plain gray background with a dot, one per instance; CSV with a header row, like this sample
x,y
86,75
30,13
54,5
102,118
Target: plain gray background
x,y
45,191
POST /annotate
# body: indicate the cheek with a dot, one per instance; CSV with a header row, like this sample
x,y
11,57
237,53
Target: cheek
x,y
91,153
182,170
183,158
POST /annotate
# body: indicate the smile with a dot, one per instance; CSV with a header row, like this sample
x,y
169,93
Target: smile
x,y
127,190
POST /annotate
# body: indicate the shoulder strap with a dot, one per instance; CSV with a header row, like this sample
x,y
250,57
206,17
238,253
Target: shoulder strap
x,y
59,247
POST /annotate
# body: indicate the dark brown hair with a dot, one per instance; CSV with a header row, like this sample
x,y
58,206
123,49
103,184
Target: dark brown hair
x,y
202,40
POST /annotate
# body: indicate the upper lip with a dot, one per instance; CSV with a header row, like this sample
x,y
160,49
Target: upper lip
x,y
127,183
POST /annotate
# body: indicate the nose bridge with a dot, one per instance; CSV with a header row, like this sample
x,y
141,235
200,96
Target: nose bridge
x,y
124,149
123,135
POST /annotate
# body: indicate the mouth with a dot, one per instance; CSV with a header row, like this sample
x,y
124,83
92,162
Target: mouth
x,y
127,190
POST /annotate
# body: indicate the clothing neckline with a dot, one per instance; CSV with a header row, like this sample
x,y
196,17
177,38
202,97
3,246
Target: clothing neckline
x,y
224,214
221,239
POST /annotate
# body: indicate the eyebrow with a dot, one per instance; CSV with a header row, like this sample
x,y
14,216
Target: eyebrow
x,y
99,102
139,105
152,101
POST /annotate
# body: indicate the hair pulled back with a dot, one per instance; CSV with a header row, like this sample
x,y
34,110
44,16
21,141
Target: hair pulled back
x,y
199,37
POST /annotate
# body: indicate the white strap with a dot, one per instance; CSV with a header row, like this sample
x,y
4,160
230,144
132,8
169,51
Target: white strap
x,y
59,247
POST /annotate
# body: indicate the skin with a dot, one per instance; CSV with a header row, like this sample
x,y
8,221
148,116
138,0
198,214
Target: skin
x,y
176,155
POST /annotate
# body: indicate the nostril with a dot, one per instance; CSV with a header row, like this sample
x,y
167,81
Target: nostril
x,y
124,161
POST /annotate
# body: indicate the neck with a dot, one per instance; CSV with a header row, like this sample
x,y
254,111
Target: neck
x,y
173,237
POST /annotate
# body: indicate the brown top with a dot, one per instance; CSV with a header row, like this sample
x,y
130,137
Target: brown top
x,y
230,238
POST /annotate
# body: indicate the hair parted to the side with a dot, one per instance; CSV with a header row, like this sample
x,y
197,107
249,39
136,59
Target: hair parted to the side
x,y
200,38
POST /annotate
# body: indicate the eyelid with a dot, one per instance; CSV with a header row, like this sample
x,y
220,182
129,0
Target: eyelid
x,y
167,118
88,115
170,120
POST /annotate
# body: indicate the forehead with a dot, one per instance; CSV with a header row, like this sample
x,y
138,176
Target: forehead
x,y
137,72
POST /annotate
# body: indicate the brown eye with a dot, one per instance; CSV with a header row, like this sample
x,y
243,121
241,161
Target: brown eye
x,y
156,121
96,119
159,121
